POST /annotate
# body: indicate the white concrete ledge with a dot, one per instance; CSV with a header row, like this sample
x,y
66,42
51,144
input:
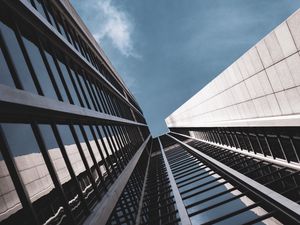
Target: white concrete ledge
x,y
279,162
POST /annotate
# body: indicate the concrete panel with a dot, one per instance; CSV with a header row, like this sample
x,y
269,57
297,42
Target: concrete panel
x,y
285,39
274,47
293,24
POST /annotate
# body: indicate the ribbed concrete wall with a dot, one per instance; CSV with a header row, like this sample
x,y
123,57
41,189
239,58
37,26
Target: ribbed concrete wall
x,y
261,88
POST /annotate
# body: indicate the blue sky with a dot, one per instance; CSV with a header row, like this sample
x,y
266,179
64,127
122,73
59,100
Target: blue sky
x,y
167,50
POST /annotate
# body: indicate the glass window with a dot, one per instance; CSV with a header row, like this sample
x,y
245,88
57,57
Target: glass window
x,y
17,57
55,153
75,79
33,169
57,77
71,149
5,77
39,68
69,83
85,90
9,200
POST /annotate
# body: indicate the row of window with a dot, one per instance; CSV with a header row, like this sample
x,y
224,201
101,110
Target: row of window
x,y
276,143
126,209
159,206
31,63
63,169
49,11
208,197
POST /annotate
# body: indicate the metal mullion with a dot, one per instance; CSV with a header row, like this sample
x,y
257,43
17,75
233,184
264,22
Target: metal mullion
x,y
107,95
106,152
70,168
198,179
180,160
106,101
54,57
206,189
270,174
86,165
52,172
294,149
100,94
82,89
247,166
100,152
235,213
113,151
202,185
41,49
17,180
192,177
126,144
261,218
281,148
184,163
186,166
92,154
96,97
188,171
87,85
282,178
258,168
119,143
10,64
118,153
217,204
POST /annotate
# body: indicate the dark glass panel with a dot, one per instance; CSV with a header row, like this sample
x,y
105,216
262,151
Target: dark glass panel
x,y
33,170
83,84
5,75
69,83
17,57
57,77
39,68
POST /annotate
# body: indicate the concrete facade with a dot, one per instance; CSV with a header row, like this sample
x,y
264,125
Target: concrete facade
x,y
261,88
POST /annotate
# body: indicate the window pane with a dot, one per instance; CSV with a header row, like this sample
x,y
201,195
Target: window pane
x,y
57,77
5,76
69,83
17,57
9,201
33,170
39,68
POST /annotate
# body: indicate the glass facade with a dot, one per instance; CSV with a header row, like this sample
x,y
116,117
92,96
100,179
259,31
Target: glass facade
x,y
75,147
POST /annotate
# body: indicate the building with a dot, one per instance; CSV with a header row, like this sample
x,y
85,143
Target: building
x,y
75,147
243,129
70,130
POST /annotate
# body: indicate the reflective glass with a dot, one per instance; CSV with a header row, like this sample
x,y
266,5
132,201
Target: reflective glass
x,y
17,57
5,75
33,170
39,68
10,205
56,77
69,83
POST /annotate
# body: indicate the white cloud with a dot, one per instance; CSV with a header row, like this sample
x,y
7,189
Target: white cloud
x,y
115,26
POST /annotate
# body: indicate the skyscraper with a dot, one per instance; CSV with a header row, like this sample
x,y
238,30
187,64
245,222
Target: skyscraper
x,y
75,147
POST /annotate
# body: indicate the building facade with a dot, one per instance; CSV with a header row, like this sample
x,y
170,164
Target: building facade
x,y
71,132
234,147
75,147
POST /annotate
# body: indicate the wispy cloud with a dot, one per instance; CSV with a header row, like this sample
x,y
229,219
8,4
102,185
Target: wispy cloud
x,y
114,25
